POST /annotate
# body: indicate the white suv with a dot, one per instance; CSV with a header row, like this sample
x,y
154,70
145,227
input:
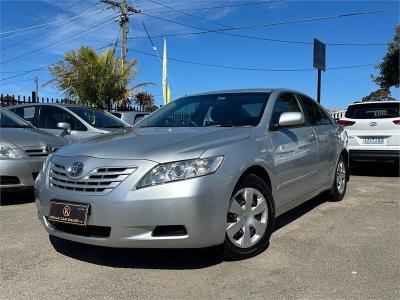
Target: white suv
x,y
373,129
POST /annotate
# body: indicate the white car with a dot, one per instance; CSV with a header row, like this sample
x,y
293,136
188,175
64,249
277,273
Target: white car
x,y
130,117
373,129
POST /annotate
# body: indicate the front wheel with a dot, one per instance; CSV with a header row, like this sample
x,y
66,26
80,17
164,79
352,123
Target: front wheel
x,y
250,219
338,189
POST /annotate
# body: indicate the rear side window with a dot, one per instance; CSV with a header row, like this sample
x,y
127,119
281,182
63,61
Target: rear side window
x,y
314,113
373,111
26,112
285,103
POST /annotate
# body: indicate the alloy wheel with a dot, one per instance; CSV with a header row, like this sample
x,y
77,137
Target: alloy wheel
x,y
341,177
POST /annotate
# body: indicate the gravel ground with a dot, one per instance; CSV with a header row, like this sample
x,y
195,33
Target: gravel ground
x,y
349,249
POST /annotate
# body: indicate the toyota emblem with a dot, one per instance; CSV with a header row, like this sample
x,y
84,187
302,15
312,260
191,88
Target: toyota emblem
x,y
76,169
372,124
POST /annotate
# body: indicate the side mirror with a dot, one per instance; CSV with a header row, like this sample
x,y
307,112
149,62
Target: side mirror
x,y
291,119
66,126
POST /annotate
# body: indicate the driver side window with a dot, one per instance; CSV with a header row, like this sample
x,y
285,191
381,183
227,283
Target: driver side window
x,y
286,102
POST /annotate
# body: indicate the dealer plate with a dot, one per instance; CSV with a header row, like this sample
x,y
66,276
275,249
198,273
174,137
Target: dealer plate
x,y
70,213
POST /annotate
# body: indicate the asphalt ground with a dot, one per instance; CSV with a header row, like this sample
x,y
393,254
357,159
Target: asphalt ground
x,y
349,249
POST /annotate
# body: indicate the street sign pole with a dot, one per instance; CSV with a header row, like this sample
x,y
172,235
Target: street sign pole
x,y
319,87
319,63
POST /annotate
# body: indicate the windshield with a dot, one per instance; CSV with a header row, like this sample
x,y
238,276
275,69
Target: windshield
x,y
224,110
98,118
373,111
11,120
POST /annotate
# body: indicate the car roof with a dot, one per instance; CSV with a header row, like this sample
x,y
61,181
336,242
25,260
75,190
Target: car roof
x,y
130,112
50,104
248,90
374,102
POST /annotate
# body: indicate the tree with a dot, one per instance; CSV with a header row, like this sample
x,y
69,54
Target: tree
x,y
389,67
382,94
95,80
145,100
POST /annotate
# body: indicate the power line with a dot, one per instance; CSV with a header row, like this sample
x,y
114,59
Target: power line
x,y
17,19
224,31
42,30
222,6
51,23
23,80
253,69
188,14
102,22
45,66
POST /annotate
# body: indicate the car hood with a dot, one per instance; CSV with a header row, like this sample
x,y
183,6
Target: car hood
x,y
156,144
28,137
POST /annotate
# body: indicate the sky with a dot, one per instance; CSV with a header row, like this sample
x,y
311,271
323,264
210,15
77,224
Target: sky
x,y
28,43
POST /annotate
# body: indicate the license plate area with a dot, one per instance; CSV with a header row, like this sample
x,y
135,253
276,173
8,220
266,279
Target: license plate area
x,y
69,213
374,141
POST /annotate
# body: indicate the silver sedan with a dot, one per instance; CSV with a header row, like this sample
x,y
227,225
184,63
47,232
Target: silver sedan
x,y
23,149
205,170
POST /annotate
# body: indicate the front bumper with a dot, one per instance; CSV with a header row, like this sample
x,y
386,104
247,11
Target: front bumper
x,y
199,204
22,170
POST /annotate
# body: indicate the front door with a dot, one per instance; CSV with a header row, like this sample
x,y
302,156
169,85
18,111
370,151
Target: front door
x,y
50,115
294,153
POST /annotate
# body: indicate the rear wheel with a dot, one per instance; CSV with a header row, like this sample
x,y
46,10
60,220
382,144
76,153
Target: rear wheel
x,y
250,219
338,189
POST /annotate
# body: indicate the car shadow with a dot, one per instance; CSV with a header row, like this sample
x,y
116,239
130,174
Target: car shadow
x,y
20,197
169,259
373,168
298,212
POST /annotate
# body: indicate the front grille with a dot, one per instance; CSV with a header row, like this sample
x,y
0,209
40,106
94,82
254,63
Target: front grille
x,y
100,180
8,180
42,151
89,230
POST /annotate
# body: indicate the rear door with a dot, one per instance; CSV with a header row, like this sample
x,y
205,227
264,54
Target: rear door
x,y
374,126
294,153
328,138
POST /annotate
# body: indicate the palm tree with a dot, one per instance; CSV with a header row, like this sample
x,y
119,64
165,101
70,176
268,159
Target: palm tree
x,y
144,100
96,80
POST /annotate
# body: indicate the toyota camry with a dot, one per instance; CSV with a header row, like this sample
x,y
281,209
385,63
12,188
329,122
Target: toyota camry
x,y
213,169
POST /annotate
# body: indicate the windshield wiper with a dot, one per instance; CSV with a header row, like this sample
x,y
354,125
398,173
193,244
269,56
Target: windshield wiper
x,y
221,125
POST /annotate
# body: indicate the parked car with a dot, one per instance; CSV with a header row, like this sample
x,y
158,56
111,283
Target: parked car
x,y
374,130
70,121
130,117
23,149
209,169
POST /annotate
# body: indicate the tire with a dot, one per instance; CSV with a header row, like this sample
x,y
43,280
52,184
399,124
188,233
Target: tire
x,y
252,223
339,186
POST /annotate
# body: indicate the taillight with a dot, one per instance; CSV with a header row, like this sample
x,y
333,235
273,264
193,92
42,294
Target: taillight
x,y
345,123
397,122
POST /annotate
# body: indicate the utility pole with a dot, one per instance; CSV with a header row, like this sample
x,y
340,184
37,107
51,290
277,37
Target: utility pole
x,y
36,88
124,9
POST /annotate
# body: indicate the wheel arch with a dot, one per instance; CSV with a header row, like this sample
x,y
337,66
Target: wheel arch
x,y
345,155
258,171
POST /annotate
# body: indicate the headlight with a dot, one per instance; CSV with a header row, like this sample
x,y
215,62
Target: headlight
x,y
180,170
47,160
6,152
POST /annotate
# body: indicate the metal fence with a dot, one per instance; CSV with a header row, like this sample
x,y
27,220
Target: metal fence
x,y
9,100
